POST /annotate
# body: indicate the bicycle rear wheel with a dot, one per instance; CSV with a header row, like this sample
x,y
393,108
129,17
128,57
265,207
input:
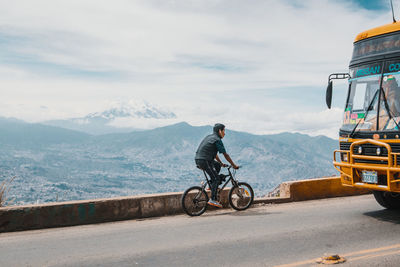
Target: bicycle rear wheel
x,y
241,196
194,201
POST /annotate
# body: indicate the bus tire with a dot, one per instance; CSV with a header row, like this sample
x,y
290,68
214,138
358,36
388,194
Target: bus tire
x,y
387,200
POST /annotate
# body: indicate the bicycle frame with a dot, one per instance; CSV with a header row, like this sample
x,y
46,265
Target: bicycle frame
x,y
231,179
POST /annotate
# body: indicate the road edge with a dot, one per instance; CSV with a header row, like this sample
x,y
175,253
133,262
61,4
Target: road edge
x,y
60,214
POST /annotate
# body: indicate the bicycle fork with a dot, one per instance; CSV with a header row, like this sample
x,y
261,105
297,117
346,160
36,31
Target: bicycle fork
x,y
239,190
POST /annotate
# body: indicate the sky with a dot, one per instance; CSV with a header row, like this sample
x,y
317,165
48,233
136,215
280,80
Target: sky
x,y
256,66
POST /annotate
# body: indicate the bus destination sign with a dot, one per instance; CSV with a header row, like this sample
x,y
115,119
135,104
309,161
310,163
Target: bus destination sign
x,y
392,66
366,70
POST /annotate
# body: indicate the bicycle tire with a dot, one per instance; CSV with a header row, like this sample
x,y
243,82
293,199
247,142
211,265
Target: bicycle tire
x,y
237,200
194,201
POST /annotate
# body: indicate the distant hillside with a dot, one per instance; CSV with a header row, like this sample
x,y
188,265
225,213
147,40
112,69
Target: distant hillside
x,y
53,164
21,134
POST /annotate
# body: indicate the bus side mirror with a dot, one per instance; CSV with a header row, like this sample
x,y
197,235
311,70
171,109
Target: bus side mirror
x,y
329,95
333,76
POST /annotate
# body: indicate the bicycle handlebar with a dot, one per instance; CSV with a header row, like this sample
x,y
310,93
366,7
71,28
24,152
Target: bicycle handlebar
x,y
230,166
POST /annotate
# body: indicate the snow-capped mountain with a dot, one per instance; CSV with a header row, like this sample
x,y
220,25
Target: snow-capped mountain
x,y
132,109
118,117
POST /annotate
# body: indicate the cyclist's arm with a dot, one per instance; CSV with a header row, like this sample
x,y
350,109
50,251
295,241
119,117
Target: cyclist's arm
x,y
228,158
221,149
218,159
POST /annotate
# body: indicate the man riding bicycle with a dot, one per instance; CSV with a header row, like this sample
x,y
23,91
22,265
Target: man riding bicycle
x,y
207,159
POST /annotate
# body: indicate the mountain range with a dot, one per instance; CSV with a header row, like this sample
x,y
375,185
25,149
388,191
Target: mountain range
x,y
57,164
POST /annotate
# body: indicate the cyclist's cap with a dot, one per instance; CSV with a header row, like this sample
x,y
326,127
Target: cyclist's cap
x,y
218,126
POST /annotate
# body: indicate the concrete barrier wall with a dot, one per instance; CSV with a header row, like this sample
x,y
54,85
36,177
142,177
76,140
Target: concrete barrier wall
x,y
60,214
318,188
88,211
113,209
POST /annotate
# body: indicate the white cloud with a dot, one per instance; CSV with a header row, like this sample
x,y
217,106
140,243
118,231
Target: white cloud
x,y
258,120
74,57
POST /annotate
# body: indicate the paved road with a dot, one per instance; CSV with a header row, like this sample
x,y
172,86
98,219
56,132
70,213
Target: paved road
x,y
292,234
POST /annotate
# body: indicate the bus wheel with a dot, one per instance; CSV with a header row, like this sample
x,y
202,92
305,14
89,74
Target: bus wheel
x,y
388,200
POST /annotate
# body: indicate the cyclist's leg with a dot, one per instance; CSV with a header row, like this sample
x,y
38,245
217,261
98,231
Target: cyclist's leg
x,y
217,166
221,177
212,172
202,164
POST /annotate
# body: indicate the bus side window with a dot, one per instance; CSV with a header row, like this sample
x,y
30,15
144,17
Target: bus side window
x,y
360,96
349,104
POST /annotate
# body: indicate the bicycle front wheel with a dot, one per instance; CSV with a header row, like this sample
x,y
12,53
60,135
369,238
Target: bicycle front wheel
x,y
194,201
241,196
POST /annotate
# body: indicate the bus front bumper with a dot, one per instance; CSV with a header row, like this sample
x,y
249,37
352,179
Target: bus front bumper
x,y
385,167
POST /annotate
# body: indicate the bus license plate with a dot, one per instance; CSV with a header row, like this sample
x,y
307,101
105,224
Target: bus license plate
x,y
370,177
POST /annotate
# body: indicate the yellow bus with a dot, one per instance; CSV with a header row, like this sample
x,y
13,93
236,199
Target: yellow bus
x,y
369,138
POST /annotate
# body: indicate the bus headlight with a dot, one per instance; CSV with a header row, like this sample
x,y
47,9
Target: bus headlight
x,y
378,151
360,150
344,157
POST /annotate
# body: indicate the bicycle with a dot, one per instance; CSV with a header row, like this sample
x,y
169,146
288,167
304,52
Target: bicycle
x,y
194,200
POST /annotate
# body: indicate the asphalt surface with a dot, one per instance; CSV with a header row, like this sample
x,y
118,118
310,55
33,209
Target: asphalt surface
x,y
292,234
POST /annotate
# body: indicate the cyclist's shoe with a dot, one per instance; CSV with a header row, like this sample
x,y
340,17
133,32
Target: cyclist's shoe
x,y
214,203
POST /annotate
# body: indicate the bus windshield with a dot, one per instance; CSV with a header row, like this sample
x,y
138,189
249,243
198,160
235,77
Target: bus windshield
x,y
361,111
362,106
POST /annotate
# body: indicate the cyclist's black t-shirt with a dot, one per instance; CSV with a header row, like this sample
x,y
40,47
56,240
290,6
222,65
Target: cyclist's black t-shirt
x,y
209,147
